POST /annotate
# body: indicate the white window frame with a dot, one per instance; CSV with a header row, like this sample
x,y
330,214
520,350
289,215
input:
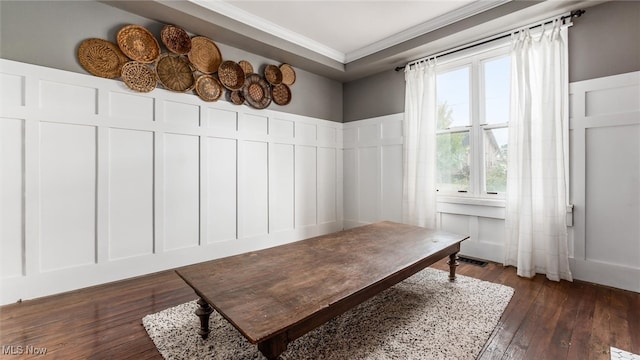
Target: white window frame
x,y
476,195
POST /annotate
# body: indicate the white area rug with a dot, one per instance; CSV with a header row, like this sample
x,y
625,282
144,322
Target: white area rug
x,y
423,317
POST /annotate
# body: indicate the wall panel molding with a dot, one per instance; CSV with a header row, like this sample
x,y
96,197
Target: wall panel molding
x,y
605,186
100,183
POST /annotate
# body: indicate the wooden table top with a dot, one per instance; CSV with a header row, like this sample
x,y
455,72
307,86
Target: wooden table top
x,y
263,293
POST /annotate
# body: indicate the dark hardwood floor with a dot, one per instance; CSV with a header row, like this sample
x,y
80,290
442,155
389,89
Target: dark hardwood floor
x,y
544,320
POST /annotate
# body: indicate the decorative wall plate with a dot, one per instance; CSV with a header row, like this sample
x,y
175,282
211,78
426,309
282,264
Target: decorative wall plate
x,y
281,94
138,43
208,88
138,76
175,73
175,39
246,66
256,91
205,55
273,74
288,74
231,75
101,58
236,97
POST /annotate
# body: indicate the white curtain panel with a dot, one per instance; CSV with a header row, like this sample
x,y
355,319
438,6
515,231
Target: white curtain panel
x,y
536,238
419,164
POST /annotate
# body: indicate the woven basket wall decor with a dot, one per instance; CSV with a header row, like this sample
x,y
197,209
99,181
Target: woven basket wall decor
x,y
236,97
246,67
138,43
256,91
175,39
273,74
288,74
101,58
175,73
205,55
208,88
138,76
281,94
231,75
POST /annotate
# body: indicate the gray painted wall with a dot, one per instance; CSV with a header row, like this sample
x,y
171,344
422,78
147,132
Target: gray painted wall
x,y
48,33
604,41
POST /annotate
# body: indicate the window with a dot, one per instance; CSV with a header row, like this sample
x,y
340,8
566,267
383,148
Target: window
x,y
472,125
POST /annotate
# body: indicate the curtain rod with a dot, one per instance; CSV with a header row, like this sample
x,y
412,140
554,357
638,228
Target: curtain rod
x,y
573,14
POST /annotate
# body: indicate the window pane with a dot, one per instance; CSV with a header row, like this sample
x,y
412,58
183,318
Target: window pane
x,y
453,98
496,144
497,79
453,162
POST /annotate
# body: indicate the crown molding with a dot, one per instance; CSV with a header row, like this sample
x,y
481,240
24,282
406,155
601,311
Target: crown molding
x,y
235,13
428,26
229,10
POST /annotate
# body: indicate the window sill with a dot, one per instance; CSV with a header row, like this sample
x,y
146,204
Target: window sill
x,y
480,207
488,208
475,201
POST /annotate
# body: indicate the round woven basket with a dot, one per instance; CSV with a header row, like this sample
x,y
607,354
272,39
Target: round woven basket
x,y
175,39
175,73
138,44
236,97
101,58
273,74
288,74
138,76
205,55
256,91
281,94
231,75
246,66
208,88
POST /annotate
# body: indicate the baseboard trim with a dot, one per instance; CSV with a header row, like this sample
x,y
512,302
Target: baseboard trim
x,y
621,277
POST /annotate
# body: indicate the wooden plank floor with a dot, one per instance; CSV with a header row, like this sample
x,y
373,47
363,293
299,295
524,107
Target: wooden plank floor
x,y
544,320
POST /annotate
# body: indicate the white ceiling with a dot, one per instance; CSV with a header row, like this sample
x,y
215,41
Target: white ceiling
x,y
346,30
345,39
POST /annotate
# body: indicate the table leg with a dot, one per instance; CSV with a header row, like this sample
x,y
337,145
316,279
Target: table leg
x,y
273,347
204,311
453,263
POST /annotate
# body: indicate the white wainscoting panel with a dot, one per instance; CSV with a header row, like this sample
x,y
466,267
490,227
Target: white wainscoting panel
x,y
11,91
67,195
131,107
305,132
11,193
66,98
282,187
281,129
327,185
350,185
254,189
391,185
181,191
372,162
130,193
181,113
225,121
306,185
100,183
613,175
254,125
221,187
369,190
605,183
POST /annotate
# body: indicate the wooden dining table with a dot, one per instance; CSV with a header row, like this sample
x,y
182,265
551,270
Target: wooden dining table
x,y
274,296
